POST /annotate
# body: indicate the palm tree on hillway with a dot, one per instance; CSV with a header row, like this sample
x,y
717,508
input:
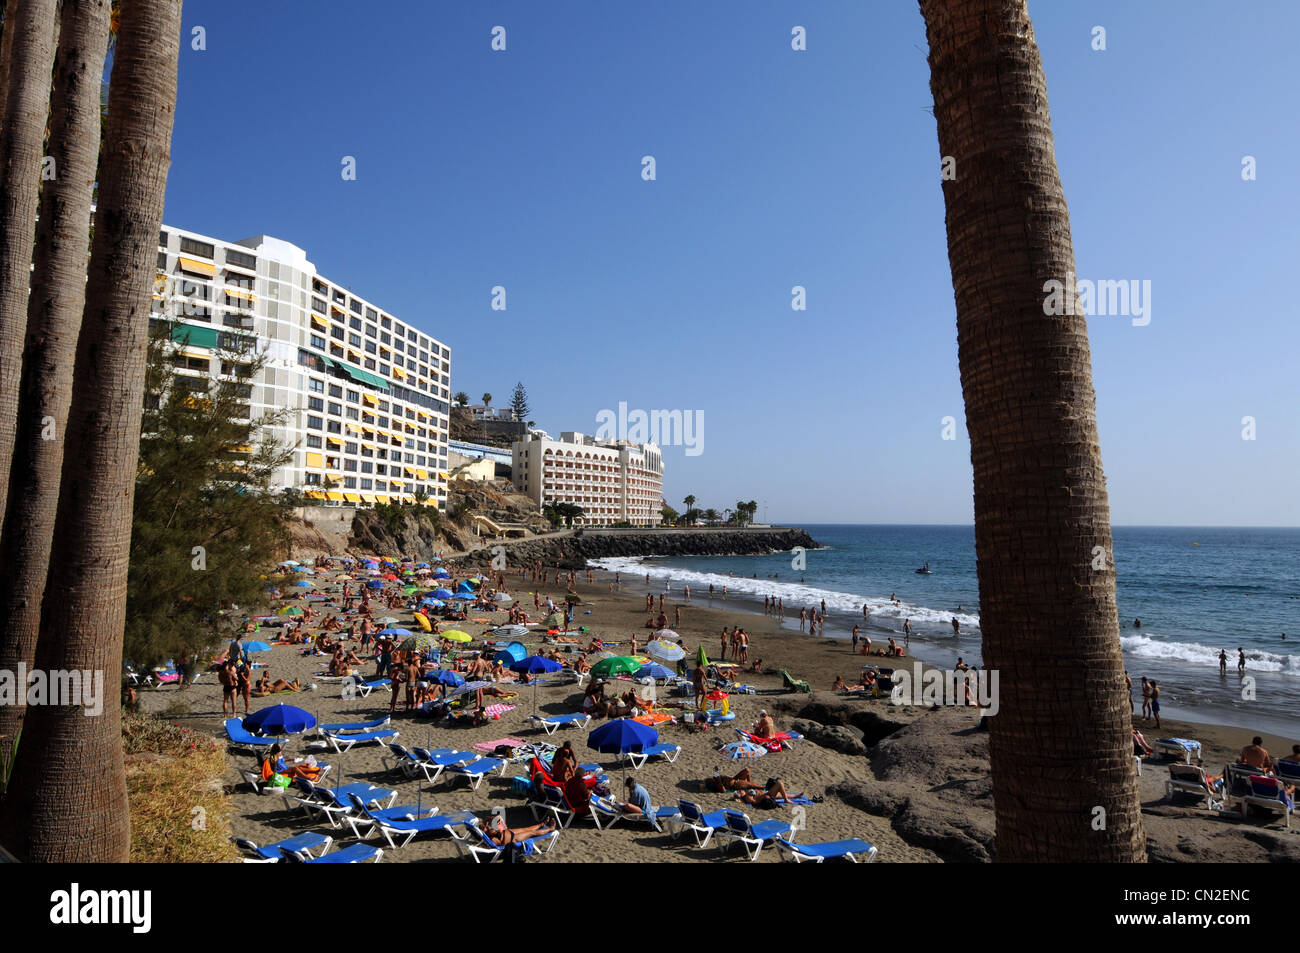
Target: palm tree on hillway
x,y
461,398
690,502
67,797
487,403
1060,743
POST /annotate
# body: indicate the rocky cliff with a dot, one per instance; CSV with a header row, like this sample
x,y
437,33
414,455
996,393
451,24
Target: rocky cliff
x,y
572,550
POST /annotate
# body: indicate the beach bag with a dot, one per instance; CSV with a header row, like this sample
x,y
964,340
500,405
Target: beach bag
x,y
280,781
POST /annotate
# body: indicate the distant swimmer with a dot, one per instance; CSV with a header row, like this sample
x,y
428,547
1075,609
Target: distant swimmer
x,y
823,607
1137,623
907,631
1223,662
864,610
956,626
924,570
1241,660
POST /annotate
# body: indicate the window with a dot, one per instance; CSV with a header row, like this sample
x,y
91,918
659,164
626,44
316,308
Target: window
x,y
352,414
337,332
355,306
315,403
162,238
350,447
313,441
241,260
335,391
400,345
318,306
371,314
371,331
349,483
315,423
354,340
334,427
367,452
339,296
315,386
350,466
319,287
385,338
367,467
354,324
367,484
354,396
312,479
370,363
318,342
386,321
190,247
381,469
162,261
336,409
371,347
411,335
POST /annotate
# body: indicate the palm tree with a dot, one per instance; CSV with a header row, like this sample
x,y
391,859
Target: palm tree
x,y
67,799
461,398
487,403
1061,746
53,319
690,502
28,66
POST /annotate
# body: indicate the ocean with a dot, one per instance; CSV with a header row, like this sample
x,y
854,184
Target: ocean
x,y
1196,591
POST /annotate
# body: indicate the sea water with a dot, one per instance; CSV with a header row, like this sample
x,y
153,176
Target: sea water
x,y
1196,591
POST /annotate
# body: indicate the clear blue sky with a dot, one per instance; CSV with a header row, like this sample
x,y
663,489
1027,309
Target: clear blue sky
x,y
775,168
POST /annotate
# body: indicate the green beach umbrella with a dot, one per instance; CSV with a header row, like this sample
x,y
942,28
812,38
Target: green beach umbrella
x,y
701,659
616,665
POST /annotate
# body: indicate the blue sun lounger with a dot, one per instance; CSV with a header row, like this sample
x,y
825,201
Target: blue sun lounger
x,y
550,725
668,752
741,828
692,818
440,762
240,737
475,771
355,726
302,845
352,854
1181,748
849,850
405,828
606,814
476,844
347,741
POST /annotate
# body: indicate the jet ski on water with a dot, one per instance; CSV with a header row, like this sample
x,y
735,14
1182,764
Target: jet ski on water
x,y
924,570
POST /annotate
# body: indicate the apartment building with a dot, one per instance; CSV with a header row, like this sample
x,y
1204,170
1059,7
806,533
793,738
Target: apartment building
x,y
613,481
368,395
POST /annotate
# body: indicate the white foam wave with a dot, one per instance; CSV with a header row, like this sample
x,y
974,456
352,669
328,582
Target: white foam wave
x,y
1259,660
795,595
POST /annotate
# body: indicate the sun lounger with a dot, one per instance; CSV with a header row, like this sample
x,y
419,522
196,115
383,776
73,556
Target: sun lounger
x,y
553,801
476,844
354,726
434,766
1288,771
607,813
848,850
399,759
303,845
782,739
335,803
668,752
361,688
475,771
550,725
1180,748
347,741
1268,794
741,829
1191,779
793,684
692,818
352,854
404,827
239,737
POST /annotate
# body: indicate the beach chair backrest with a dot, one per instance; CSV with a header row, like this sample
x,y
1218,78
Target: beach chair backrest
x,y
690,810
1187,773
305,786
357,803
1265,787
737,822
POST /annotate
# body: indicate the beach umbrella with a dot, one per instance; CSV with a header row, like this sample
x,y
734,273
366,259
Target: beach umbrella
x,y
280,720
435,603
374,584
304,571
573,600
302,584
620,736
395,631
421,565
421,642
535,665
290,610
653,671
444,676
256,646
665,651
437,559
464,597
743,749
456,635
467,688
410,590
288,562
390,576
441,593
510,631
442,574
387,620
553,620
503,597
512,653
615,665
668,635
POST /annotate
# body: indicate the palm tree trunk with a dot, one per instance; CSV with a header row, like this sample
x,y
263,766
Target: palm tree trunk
x,y
6,53
53,319
68,798
27,104
1064,783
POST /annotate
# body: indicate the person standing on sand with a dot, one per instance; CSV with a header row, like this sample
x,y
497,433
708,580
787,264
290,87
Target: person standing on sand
x,y
723,649
677,616
245,683
803,617
1128,683
1146,698
686,591
855,640
697,677
1241,660
1223,663
907,631
744,646
1155,701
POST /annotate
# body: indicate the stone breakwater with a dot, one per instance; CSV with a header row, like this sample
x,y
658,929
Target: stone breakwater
x,y
572,551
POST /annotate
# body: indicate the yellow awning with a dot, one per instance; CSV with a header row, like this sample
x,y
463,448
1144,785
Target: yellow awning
x,y
335,496
397,483
355,355
381,498
354,428
240,293
399,372
315,460
320,323
352,497
198,267
423,474
425,414
195,352
369,399
368,497
396,439
370,446
334,441
443,475
316,494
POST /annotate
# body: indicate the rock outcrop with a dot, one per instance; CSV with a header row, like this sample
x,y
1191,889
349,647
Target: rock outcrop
x,y
573,550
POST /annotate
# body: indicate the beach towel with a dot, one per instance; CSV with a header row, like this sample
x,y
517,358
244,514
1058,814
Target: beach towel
x,y
496,711
487,747
654,718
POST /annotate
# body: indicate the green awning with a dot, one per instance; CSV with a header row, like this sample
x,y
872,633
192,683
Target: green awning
x,y
363,377
198,337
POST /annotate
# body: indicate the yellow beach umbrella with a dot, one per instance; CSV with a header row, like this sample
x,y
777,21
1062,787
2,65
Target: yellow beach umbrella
x,y
455,635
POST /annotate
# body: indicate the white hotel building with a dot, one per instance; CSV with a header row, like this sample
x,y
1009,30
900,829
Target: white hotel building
x,y
368,394
613,482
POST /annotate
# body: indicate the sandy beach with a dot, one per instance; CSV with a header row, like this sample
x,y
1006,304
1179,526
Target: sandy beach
x,y
913,782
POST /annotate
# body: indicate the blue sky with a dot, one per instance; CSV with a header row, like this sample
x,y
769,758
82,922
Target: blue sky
x,y
774,168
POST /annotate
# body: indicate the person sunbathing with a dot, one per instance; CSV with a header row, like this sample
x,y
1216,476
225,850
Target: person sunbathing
x,y
266,687
274,763
765,727
1140,745
565,763
839,685
1256,755
743,781
503,836
773,795
582,666
566,639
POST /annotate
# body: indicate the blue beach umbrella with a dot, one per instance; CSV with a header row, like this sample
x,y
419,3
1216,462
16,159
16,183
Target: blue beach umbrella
x,y
621,736
375,584
535,665
395,631
302,584
441,593
512,653
464,597
743,749
280,720
444,676
653,670
256,646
